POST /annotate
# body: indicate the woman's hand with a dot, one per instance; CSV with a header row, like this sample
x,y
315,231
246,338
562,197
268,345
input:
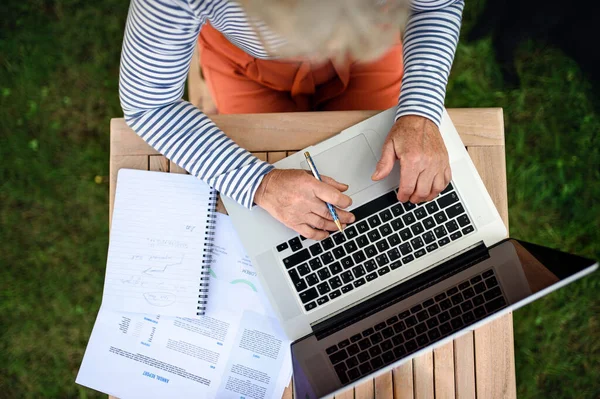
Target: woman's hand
x,y
297,199
424,165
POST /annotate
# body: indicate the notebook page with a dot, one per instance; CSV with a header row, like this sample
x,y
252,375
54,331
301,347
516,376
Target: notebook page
x,y
157,243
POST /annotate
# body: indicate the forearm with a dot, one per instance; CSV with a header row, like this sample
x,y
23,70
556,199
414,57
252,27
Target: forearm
x,y
429,46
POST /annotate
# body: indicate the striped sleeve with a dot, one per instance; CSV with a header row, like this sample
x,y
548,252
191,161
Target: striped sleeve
x,y
160,36
429,45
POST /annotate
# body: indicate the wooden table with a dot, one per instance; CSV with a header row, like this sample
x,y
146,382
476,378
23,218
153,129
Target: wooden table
x,y
478,364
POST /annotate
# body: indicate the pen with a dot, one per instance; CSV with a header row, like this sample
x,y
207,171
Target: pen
x,y
315,173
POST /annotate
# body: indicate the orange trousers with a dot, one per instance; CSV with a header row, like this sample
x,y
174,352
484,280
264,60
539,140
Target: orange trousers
x,y
240,83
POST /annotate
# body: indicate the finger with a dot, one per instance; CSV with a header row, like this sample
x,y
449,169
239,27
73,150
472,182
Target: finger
x,y
334,183
423,188
447,176
409,173
322,210
327,193
439,184
314,220
309,232
386,162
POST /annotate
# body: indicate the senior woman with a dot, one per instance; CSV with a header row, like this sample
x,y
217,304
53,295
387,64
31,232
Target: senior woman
x,y
284,56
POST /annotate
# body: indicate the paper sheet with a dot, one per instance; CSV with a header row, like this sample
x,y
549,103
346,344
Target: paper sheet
x,y
236,350
156,243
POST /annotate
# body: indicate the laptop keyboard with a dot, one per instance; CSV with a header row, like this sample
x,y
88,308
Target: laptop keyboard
x,y
386,235
417,327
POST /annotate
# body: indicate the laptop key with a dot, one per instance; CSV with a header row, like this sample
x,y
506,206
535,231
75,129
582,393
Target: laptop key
x,y
335,268
493,293
362,241
295,244
417,228
408,219
347,262
399,351
331,349
495,304
397,209
387,332
346,278
447,189
359,257
479,312
340,370
405,234
405,248
363,344
365,368
324,274
445,328
431,207
394,240
468,229
469,293
334,294
417,243
358,271
353,373
429,223
382,245
338,356
359,282
409,206
491,282
370,265
370,251
432,247
385,230
383,270
282,247
458,298
447,200
440,231
398,328
382,260
444,316
395,265
312,279
327,258
428,237
392,320
455,236
296,277
397,224
310,306
407,259
371,276
322,300
393,254
411,321
362,227
309,295
455,210
339,238
355,338
374,221
350,247
488,273
376,205
475,279
452,226
385,216
463,220
422,340
388,357
350,232
315,249
373,235
303,269
347,288
420,213
443,241
440,217
296,258
338,252
315,263
455,311
478,300
327,243
323,288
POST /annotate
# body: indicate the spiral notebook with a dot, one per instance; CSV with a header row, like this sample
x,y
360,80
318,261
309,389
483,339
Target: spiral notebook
x,y
160,244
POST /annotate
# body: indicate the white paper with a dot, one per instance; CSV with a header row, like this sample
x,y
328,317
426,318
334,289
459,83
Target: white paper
x,y
236,350
156,245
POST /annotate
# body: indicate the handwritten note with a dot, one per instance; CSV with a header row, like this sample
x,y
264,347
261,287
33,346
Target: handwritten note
x,y
157,244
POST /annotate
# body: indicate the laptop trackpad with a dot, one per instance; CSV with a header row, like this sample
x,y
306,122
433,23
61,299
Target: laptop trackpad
x,y
351,162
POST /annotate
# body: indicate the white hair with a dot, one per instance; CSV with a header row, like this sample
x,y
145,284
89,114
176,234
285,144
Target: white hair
x,y
322,29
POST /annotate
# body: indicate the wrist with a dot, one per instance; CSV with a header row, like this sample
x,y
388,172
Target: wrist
x,y
262,187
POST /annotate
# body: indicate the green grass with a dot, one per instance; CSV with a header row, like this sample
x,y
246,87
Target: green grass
x,y
58,90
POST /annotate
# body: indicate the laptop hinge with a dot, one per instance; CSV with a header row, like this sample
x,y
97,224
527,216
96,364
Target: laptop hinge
x,y
401,291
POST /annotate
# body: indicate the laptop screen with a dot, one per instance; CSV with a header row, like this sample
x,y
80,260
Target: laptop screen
x,y
437,309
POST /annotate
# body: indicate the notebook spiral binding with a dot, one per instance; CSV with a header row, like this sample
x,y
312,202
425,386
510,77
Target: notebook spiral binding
x,y
206,257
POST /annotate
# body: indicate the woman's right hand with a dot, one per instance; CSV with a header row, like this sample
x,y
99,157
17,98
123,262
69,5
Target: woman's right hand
x,y
297,199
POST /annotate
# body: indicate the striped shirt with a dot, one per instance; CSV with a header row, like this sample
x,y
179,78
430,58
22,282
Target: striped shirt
x,y
160,36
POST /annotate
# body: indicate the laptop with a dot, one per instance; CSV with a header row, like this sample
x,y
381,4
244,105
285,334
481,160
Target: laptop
x,y
403,277
309,282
